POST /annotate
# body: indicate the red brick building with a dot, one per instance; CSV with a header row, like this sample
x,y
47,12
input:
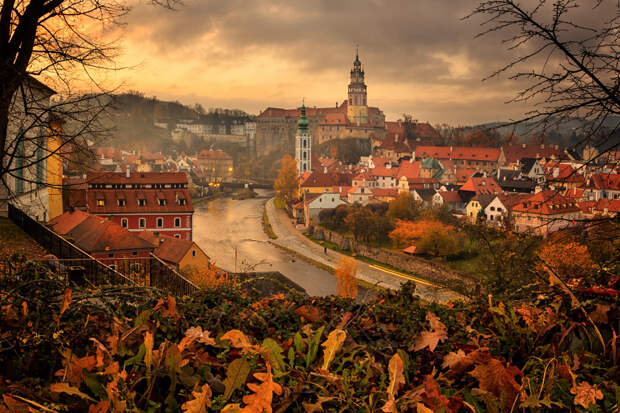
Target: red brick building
x,y
142,201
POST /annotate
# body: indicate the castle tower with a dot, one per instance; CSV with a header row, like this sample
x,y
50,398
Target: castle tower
x,y
357,108
303,143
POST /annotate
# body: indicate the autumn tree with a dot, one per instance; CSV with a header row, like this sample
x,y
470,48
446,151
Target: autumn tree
x,y
287,183
345,273
429,236
208,277
404,206
566,257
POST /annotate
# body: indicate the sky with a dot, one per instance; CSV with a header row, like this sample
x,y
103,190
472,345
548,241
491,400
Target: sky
x,y
420,57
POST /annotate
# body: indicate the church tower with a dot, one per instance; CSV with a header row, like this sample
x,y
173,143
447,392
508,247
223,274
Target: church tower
x,y
357,108
303,143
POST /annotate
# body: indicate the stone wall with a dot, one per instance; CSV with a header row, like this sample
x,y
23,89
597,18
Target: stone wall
x,y
431,271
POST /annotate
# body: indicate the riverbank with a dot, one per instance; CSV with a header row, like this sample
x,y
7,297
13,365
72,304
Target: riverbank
x,y
370,274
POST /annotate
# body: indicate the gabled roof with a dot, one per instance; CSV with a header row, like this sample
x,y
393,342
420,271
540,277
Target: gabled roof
x,y
212,155
564,172
393,192
481,186
408,169
604,181
483,199
173,249
527,164
96,234
136,178
611,205
546,203
320,179
426,194
459,152
451,196
131,197
514,153
511,199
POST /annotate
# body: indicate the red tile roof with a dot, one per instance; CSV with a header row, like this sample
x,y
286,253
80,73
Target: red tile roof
x,y
511,199
384,192
546,203
604,181
482,186
409,169
214,155
611,205
564,172
514,153
96,234
320,179
451,196
152,197
458,152
137,178
173,250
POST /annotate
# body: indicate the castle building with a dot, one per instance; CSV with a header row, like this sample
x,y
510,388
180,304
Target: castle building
x,y
303,143
276,128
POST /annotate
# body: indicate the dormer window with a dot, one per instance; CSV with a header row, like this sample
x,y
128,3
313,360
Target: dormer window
x,y
142,202
181,201
100,202
121,202
161,202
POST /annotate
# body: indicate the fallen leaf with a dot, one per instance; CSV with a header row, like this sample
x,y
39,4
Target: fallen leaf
x,y
431,338
498,379
202,400
586,394
168,307
308,313
599,314
196,334
262,397
68,389
101,407
236,375
237,339
332,345
148,354
397,379
73,367
66,301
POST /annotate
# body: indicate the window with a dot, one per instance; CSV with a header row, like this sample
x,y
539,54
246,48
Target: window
x,y
181,201
160,222
122,202
124,222
142,223
177,222
177,236
100,202
134,267
162,202
492,208
110,255
193,253
113,266
134,253
141,202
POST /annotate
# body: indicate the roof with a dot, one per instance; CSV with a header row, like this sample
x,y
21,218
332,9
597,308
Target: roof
x,y
610,205
604,181
565,173
451,196
484,199
96,234
320,179
512,198
393,192
426,194
408,169
214,155
547,202
137,178
481,185
173,249
459,152
527,164
514,153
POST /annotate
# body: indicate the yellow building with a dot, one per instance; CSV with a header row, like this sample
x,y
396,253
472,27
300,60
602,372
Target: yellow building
x,y
477,204
54,169
180,253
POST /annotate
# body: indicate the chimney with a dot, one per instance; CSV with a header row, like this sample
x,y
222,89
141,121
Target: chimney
x,y
128,172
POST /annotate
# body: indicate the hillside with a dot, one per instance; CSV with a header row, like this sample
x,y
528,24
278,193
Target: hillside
x,y
115,349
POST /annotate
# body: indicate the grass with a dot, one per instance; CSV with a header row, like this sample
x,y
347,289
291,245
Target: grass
x,y
279,203
267,226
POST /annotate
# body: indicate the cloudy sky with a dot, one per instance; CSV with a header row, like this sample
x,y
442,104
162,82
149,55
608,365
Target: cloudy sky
x,y
419,56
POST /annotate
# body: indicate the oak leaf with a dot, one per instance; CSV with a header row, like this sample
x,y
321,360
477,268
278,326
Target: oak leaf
x,y
498,379
196,334
332,345
308,313
431,338
262,397
202,400
168,307
101,407
66,301
73,366
397,379
586,394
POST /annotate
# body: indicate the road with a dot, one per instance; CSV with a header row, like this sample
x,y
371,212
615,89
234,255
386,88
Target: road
x,y
221,225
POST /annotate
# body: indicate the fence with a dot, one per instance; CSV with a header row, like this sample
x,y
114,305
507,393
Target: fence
x,y
77,262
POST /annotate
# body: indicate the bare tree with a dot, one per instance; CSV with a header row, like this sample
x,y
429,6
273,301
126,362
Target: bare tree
x,y
569,67
63,43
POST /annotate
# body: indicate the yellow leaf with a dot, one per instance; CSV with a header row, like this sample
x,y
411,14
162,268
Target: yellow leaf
x,y
261,399
586,394
68,389
397,379
432,337
232,408
196,334
421,408
66,300
332,345
237,339
148,355
202,400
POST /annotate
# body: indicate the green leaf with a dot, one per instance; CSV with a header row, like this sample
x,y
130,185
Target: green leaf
x,y
275,353
142,318
94,385
313,347
236,375
291,357
299,343
137,358
68,389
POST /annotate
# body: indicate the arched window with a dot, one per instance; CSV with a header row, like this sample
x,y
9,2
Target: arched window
x,y
142,223
160,222
177,222
124,222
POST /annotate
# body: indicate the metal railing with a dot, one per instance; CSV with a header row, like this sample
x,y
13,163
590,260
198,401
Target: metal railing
x,y
77,263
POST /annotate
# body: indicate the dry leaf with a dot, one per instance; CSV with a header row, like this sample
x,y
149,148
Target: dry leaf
x,y
431,338
73,367
599,314
237,339
397,379
586,394
148,355
196,334
308,313
498,379
332,345
202,400
168,307
66,301
262,397
68,389
101,407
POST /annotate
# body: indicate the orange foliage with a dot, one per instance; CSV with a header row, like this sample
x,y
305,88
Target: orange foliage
x,y
208,277
345,273
567,258
406,232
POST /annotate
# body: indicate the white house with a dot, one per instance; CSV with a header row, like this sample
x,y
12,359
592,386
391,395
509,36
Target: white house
x,y
315,205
